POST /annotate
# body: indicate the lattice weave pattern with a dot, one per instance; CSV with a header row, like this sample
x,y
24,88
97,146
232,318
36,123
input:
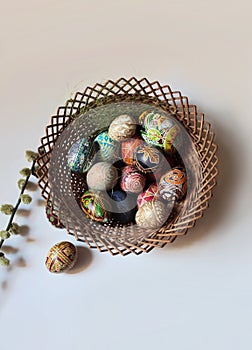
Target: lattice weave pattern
x,y
163,97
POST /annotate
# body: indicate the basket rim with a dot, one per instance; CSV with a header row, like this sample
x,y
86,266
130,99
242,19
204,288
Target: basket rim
x,y
146,92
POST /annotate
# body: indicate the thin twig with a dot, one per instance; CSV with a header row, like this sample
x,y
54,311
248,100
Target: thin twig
x,y
14,211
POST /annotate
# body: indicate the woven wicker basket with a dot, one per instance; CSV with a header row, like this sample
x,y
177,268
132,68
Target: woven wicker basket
x,y
63,189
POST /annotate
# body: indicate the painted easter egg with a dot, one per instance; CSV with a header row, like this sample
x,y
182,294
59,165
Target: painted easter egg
x,y
123,206
128,148
61,257
160,130
52,217
108,148
173,184
132,180
151,194
151,215
122,128
102,176
79,156
95,206
147,159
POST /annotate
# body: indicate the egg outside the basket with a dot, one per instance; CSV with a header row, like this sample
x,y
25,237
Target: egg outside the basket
x,y
61,257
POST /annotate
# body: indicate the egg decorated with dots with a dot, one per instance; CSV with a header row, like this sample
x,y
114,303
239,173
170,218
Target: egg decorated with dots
x,y
122,128
102,176
132,180
95,206
173,184
79,156
61,257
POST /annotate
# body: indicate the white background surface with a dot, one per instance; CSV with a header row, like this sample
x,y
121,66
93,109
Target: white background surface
x,y
195,294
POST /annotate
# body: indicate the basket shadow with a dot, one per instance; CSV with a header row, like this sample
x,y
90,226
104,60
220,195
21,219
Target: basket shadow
x,y
223,193
84,259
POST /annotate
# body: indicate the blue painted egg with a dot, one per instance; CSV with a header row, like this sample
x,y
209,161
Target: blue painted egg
x,y
78,157
147,159
108,148
123,206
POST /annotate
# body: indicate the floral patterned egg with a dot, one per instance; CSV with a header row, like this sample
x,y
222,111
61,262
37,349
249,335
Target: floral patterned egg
x,y
95,206
122,128
61,257
151,194
132,180
173,184
128,149
147,159
108,148
160,130
102,176
78,157
152,215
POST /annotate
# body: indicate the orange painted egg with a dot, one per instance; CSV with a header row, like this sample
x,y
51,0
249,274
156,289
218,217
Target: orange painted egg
x,y
129,147
61,257
173,184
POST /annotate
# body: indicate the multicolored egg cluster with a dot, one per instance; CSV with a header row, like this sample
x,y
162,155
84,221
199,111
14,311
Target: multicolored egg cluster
x,y
131,170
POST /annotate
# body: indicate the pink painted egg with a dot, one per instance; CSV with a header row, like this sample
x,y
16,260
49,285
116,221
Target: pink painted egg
x,y
151,194
132,180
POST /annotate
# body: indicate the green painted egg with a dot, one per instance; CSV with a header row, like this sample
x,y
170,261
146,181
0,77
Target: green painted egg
x,y
160,130
95,206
